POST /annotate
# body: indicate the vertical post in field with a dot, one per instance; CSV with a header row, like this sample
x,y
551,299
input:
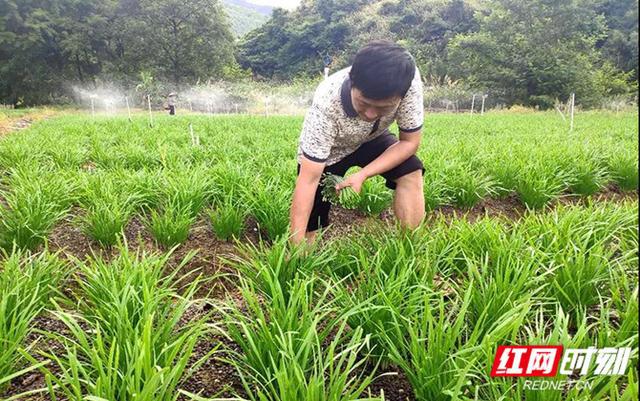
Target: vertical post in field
x,y
126,100
473,103
482,107
93,108
573,106
193,139
149,106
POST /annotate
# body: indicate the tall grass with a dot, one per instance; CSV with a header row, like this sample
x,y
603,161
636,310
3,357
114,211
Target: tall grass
x,y
272,268
589,175
34,202
314,322
435,349
131,337
191,188
227,218
295,348
170,225
27,281
465,186
108,209
539,183
624,169
269,203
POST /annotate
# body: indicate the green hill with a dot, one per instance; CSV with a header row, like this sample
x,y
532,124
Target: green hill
x,y
245,16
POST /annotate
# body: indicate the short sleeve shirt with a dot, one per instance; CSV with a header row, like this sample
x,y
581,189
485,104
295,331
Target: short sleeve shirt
x,y
332,128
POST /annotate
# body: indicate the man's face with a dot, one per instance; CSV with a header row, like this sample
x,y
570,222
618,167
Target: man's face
x,y
370,110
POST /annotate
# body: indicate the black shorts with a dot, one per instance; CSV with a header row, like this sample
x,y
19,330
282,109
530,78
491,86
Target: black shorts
x,y
365,154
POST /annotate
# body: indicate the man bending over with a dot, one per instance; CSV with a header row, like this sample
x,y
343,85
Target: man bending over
x,y
347,125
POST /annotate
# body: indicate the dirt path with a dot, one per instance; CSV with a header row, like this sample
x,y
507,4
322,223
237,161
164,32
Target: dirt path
x,y
12,124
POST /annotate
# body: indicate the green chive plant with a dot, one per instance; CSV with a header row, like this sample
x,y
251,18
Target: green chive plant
x,y
130,336
227,218
27,281
171,224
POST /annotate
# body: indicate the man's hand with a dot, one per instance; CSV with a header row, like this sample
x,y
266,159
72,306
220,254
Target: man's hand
x,y
354,181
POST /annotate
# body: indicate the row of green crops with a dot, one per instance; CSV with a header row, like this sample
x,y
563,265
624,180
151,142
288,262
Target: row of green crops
x,y
323,324
102,172
437,302
126,336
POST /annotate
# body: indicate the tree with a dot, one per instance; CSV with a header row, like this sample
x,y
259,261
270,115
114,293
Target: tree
x,y
531,52
427,28
293,43
47,46
187,39
620,46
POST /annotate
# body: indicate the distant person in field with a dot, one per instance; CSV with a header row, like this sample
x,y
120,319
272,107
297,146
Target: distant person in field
x,y
347,125
171,103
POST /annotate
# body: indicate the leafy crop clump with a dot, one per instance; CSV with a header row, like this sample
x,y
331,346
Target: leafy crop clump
x,y
346,197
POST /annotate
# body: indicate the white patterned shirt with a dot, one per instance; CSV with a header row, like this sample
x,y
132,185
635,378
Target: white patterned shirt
x,y
332,128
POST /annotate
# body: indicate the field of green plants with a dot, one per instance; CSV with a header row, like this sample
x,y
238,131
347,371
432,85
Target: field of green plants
x,y
150,262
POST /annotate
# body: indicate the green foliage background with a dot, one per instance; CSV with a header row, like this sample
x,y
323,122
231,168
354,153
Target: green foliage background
x,y
531,53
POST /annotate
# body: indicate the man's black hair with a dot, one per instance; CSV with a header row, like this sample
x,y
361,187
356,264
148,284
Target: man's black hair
x,y
382,69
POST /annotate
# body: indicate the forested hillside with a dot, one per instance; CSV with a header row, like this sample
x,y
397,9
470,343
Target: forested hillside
x,y
244,16
523,52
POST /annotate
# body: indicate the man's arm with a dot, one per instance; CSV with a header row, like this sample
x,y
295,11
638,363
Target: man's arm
x,y
395,154
303,196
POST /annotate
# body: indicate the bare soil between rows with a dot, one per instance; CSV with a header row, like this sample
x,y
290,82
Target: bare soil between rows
x,y
14,124
216,377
